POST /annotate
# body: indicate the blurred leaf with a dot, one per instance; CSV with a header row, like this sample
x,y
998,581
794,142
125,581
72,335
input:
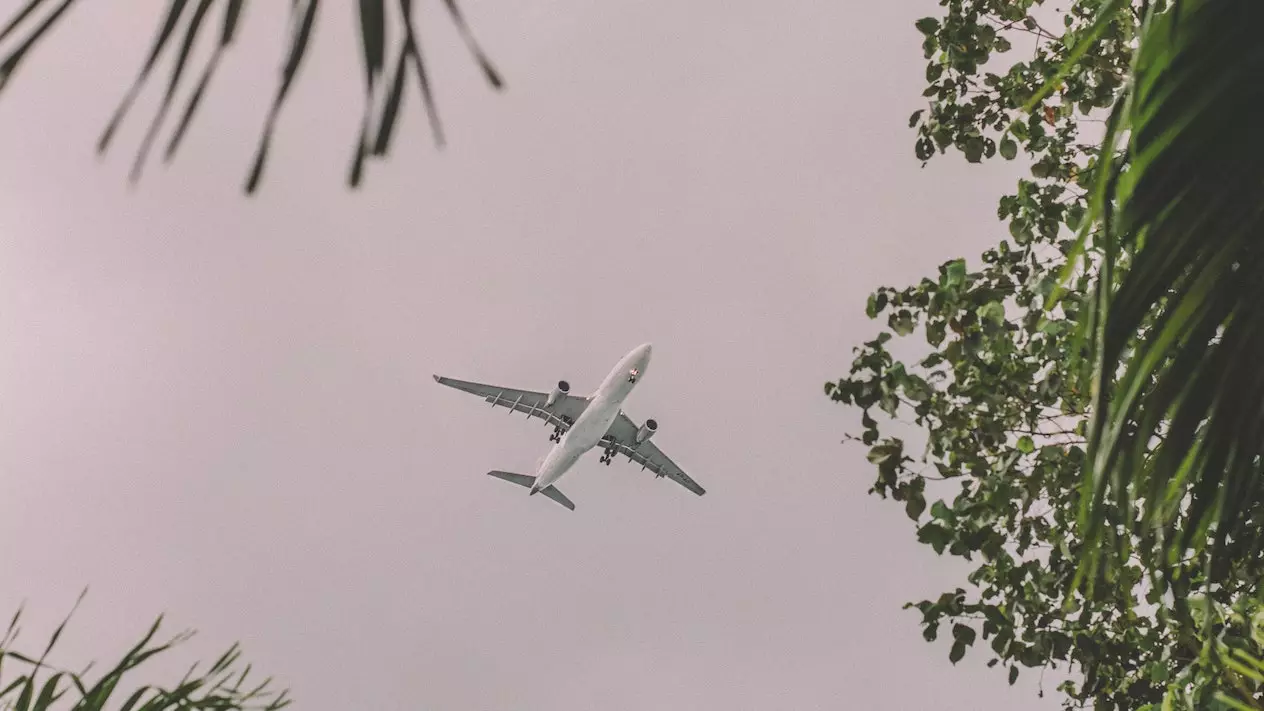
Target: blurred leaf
x,y
14,59
165,30
298,50
374,22
228,32
182,58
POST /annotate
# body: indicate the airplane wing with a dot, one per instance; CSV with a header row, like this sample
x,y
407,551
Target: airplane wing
x,y
562,413
622,435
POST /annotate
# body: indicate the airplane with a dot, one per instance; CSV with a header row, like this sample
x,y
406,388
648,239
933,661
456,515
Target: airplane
x,y
581,423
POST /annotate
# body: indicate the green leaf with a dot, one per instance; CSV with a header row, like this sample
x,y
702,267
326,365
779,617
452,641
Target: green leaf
x,y
880,454
940,511
935,536
1008,148
930,632
902,323
958,651
927,25
954,273
877,302
915,505
1013,675
973,149
963,633
1026,445
1074,216
993,311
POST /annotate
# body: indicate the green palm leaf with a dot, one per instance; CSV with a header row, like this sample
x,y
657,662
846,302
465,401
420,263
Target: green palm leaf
x,y
218,689
1177,328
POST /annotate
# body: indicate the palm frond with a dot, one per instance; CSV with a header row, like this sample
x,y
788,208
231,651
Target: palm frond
x,y
218,689
185,21
1177,327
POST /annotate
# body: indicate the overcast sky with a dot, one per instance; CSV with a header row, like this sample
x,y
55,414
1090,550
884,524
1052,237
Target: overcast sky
x,y
222,408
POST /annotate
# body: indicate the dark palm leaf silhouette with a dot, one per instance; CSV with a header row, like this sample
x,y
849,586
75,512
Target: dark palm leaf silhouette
x,y
1176,322
184,21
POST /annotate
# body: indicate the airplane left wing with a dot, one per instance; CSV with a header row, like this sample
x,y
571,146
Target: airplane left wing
x,y
622,436
562,413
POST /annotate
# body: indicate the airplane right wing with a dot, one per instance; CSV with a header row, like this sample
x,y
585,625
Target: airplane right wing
x,y
622,436
562,413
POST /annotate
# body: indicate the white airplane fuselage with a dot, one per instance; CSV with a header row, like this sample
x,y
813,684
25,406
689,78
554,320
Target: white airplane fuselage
x,y
593,424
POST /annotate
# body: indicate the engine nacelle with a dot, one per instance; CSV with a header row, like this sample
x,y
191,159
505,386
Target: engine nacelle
x,y
562,388
647,430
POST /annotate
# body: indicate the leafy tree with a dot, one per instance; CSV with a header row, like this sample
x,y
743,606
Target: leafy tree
x,y
188,20
222,687
989,420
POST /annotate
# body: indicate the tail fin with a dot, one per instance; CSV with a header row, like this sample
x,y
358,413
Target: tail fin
x,y
528,481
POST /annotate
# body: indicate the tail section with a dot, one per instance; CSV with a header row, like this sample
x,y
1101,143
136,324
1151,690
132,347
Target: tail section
x,y
528,482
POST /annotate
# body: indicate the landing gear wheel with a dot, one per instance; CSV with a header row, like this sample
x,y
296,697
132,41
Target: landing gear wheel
x,y
607,455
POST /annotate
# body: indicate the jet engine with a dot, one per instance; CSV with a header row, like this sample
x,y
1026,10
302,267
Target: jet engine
x,y
562,388
647,430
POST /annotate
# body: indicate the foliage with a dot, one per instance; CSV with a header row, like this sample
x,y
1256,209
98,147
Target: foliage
x,y
996,396
222,20
1177,320
220,688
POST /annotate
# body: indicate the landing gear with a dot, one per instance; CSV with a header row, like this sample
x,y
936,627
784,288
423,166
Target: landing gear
x,y
557,431
608,455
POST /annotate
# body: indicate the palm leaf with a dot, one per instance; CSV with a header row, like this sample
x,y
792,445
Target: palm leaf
x,y
205,692
188,21
1177,328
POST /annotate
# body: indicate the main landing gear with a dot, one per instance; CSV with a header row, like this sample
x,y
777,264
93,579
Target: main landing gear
x,y
608,455
557,431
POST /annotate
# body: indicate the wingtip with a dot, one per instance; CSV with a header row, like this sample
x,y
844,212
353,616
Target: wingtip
x,y
438,379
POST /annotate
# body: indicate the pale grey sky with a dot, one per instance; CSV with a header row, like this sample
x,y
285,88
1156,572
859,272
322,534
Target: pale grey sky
x,y
222,408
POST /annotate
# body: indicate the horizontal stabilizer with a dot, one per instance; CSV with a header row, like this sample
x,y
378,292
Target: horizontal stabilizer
x,y
519,479
552,492
528,481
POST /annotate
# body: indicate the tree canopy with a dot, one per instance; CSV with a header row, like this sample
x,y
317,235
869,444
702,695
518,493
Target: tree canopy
x,y
185,21
982,434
